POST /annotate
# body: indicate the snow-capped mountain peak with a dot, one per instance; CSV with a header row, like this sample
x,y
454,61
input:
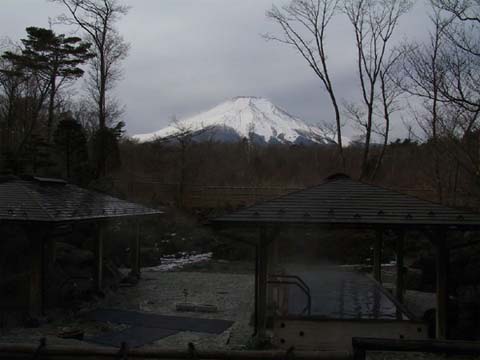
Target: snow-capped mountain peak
x,y
254,118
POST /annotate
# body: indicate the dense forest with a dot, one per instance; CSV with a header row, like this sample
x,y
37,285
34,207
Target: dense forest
x,y
408,166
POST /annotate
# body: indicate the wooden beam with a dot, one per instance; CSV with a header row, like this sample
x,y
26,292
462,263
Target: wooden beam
x,y
442,264
99,258
377,255
305,334
135,252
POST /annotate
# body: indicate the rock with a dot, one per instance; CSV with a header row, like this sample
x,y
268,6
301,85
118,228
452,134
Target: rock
x,y
203,308
185,307
206,308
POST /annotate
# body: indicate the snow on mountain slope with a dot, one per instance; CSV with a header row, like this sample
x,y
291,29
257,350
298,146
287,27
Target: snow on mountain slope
x,y
245,117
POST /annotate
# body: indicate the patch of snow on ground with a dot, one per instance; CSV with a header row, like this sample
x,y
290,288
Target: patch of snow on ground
x,y
172,262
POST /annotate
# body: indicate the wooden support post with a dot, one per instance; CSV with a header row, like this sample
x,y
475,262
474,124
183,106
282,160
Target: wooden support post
x,y
135,252
377,256
273,255
38,269
273,267
359,353
442,264
262,285
99,259
400,281
36,276
49,259
257,256
400,286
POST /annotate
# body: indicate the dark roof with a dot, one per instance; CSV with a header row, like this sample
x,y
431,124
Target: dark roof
x,y
53,200
341,200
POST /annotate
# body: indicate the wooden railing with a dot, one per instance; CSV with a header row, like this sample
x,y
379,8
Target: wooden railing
x,y
45,351
362,345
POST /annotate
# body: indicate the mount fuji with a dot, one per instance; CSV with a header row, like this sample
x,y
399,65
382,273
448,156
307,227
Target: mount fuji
x,y
244,117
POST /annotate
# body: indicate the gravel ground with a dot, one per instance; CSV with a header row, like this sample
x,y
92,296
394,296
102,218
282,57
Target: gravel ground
x,y
158,292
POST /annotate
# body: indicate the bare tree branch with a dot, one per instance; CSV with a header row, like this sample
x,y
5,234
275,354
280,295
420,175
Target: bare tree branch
x,y
304,24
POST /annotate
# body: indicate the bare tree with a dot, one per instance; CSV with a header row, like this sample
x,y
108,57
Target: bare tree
x,y
97,19
374,23
11,80
461,88
304,25
389,99
463,60
467,12
82,110
184,136
423,76
443,76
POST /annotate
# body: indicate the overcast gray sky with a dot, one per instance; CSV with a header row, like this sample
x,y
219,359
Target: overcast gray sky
x,y
189,55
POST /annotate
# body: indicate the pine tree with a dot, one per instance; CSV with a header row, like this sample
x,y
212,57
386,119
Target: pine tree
x,y
107,140
36,157
55,58
71,145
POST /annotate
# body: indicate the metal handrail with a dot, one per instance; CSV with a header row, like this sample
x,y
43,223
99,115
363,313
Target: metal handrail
x,y
296,277
301,285
404,309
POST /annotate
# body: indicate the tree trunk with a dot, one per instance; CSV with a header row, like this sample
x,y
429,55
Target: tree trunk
x,y
366,149
386,116
339,131
101,166
51,109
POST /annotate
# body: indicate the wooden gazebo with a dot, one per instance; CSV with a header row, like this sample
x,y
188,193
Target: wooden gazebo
x,y
341,202
41,205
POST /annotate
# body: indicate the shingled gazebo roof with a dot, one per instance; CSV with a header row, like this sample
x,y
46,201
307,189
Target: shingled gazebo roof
x,y
342,200
51,200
